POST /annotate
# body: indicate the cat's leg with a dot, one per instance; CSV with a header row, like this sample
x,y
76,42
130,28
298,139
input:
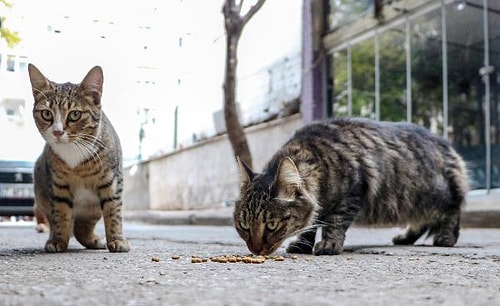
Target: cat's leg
x,y
84,233
446,229
114,227
412,234
42,225
333,235
304,243
335,225
60,228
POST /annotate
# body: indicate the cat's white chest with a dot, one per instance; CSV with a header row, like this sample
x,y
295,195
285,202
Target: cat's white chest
x,y
70,154
85,202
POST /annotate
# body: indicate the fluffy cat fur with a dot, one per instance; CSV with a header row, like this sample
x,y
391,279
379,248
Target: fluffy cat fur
x,y
330,174
78,177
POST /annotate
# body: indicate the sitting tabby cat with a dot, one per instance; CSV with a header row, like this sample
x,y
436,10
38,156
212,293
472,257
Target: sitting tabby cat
x,y
78,177
332,173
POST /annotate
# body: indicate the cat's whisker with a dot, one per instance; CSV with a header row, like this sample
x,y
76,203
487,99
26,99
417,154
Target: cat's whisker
x,y
89,148
311,228
85,148
94,139
308,244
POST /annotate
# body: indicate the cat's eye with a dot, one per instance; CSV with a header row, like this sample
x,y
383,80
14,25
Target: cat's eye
x,y
74,115
46,115
244,225
272,225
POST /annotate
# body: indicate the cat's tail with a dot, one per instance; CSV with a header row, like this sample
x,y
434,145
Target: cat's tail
x,y
456,173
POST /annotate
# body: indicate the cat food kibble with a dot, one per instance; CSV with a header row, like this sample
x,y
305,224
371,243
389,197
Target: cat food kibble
x,y
155,258
196,260
249,259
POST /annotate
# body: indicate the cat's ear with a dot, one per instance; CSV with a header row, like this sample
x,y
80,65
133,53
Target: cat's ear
x,y
92,83
246,174
37,79
288,180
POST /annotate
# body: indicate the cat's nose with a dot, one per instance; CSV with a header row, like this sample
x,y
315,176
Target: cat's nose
x,y
57,133
258,249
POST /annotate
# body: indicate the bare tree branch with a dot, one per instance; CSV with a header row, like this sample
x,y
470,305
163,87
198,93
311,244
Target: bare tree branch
x,y
240,6
253,9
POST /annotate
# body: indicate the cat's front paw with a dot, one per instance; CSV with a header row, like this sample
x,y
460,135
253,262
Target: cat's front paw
x,y
328,247
115,246
56,246
402,240
299,247
444,241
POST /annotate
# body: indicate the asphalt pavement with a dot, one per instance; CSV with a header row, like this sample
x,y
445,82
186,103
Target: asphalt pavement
x,y
159,270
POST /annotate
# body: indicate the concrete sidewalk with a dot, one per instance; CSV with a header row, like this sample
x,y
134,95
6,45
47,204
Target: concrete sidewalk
x,y
215,216
480,211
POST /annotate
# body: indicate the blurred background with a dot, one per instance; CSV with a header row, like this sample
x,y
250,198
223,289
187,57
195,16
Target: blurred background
x,y
163,64
431,62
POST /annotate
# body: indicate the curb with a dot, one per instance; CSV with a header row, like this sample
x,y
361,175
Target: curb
x,y
213,217
481,218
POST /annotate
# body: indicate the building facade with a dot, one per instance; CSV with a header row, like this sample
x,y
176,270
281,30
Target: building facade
x,y
431,62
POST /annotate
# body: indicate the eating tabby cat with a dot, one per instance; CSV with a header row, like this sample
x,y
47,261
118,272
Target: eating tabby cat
x,y
333,173
78,176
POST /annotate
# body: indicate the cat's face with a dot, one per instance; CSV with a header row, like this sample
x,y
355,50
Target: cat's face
x,y
67,113
272,207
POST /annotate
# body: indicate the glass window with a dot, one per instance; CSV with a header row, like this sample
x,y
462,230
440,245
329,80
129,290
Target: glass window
x,y
465,46
494,44
363,79
340,83
393,74
11,62
467,130
343,12
427,82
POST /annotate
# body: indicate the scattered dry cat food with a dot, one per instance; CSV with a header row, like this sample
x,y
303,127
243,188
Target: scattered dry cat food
x,y
238,258
196,260
155,258
250,258
279,258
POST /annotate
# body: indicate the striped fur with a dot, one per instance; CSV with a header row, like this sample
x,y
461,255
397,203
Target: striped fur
x,y
331,174
78,177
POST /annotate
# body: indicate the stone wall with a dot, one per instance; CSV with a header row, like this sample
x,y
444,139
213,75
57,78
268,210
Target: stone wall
x,y
204,175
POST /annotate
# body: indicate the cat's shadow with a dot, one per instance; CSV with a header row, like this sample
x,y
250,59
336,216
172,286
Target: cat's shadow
x,y
394,250
387,248
41,251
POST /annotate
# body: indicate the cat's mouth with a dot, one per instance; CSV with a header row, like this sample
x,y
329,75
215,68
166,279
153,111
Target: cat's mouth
x,y
58,139
259,249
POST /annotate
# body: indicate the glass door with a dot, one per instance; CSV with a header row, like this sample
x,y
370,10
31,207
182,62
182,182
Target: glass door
x,y
493,26
473,55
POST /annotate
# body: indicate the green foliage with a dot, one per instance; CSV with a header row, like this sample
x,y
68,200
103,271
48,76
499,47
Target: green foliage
x,y
11,37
